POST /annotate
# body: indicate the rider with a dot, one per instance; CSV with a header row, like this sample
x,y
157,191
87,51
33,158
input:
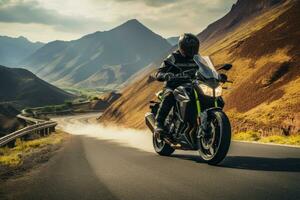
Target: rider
x,y
188,46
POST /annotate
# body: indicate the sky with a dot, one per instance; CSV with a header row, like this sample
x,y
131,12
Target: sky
x,y
47,20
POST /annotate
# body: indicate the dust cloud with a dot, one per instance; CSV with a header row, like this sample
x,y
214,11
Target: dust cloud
x,y
139,139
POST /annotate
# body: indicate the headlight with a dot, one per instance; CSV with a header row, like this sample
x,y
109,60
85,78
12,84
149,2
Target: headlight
x,y
208,91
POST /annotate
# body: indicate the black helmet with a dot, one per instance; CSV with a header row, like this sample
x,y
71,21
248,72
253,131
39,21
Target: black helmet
x,y
188,45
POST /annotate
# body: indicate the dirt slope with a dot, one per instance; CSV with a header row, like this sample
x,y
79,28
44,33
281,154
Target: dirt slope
x,y
242,11
263,46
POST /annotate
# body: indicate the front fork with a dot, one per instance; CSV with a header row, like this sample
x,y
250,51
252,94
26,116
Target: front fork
x,y
205,129
202,117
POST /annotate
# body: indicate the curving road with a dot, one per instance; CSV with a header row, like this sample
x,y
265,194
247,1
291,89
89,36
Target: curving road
x,y
116,166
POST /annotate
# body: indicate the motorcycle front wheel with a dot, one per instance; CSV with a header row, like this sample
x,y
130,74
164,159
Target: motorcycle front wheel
x,y
214,147
161,147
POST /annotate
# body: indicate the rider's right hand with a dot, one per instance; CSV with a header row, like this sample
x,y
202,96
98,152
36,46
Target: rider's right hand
x,y
168,76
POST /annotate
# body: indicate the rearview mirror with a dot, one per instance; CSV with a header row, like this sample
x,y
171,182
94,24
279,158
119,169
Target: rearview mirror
x,y
225,67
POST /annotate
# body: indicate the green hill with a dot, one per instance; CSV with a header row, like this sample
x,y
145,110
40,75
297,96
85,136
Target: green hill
x,y
21,88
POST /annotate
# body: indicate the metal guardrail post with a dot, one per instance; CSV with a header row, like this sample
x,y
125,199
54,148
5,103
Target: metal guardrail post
x,y
40,127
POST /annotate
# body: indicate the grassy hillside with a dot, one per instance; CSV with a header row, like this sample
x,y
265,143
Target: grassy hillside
x,y
102,59
22,88
263,46
264,51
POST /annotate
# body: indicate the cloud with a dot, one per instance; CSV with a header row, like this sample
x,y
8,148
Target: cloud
x,y
3,2
73,17
154,3
185,16
26,12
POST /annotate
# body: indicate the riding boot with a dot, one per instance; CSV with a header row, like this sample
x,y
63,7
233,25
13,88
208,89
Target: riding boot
x,y
163,111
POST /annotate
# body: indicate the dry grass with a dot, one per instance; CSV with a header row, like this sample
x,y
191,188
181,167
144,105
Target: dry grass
x,y
245,30
277,139
14,156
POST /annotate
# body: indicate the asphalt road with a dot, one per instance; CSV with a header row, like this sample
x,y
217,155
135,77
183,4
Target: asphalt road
x,y
91,167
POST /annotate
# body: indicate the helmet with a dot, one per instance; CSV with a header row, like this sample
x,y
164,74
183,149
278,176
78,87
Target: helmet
x,y
188,45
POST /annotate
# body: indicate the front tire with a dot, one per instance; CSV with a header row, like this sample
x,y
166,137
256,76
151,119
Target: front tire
x,y
214,152
161,147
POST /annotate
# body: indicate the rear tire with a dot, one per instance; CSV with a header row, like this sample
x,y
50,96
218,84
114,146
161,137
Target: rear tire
x,y
224,139
161,147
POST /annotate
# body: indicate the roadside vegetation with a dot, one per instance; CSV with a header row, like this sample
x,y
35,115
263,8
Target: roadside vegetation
x,y
258,137
85,93
27,155
67,106
81,104
15,156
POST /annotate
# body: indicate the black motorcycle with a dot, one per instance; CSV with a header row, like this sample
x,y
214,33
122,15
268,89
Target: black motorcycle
x,y
197,121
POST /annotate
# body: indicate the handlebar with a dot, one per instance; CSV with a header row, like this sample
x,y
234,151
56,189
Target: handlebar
x,y
181,77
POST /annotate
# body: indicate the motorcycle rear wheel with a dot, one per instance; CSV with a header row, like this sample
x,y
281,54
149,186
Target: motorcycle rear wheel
x,y
161,147
215,149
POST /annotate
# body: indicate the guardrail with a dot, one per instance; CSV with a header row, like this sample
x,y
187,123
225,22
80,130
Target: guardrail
x,y
40,126
30,119
55,112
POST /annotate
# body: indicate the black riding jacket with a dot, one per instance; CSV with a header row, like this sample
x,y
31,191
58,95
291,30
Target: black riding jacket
x,y
180,61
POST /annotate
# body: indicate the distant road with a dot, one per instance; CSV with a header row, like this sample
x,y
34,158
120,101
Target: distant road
x,y
93,168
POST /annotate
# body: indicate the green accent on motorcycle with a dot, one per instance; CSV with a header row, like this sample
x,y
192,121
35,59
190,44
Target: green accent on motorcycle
x,y
216,103
160,95
197,103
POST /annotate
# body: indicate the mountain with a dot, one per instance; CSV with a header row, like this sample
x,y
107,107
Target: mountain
x,y
261,38
102,59
22,88
173,40
13,50
104,101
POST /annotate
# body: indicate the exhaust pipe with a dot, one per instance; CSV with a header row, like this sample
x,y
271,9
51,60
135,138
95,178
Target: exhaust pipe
x,y
150,121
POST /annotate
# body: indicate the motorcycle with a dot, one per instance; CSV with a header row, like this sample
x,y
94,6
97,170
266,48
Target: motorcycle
x,y
197,121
